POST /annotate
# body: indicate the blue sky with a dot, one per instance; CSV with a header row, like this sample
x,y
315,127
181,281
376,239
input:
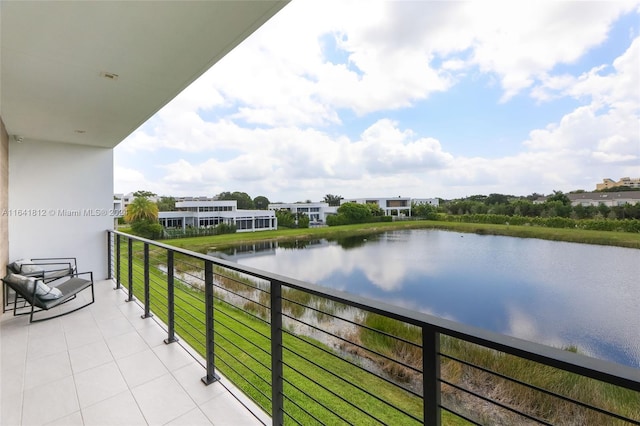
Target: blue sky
x,y
419,99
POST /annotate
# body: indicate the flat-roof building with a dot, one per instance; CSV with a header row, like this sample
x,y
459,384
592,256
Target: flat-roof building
x,y
207,213
610,199
392,206
317,212
625,181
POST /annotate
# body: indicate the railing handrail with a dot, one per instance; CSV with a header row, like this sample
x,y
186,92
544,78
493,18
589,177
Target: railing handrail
x,y
605,371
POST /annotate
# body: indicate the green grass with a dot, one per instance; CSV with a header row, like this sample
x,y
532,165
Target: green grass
x,y
621,239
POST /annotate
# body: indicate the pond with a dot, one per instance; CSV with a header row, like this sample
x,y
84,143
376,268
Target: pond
x,y
555,293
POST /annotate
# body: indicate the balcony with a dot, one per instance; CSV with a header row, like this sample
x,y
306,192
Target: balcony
x,y
249,347
57,60
105,365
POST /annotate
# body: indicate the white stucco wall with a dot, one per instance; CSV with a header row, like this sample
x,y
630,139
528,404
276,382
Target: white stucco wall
x,y
60,202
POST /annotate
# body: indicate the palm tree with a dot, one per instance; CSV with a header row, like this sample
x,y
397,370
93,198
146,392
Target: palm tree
x,y
332,200
141,209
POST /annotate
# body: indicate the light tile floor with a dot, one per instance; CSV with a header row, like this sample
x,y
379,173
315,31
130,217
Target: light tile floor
x,y
104,365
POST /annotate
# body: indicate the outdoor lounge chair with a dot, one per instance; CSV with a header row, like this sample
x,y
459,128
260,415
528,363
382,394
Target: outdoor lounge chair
x,y
49,269
36,293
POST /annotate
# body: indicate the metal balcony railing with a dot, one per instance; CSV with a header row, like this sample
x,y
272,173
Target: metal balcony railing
x,y
311,355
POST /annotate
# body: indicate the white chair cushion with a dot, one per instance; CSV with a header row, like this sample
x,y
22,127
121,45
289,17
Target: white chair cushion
x,y
43,291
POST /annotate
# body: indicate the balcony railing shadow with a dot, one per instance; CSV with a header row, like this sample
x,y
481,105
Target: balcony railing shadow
x,y
105,365
307,354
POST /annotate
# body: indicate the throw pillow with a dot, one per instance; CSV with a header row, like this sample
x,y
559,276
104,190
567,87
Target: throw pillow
x,y
27,267
43,291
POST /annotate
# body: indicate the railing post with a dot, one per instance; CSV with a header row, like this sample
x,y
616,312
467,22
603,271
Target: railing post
x,y
431,375
208,305
147,296
170,300
117,262
109,253
130,265
277,400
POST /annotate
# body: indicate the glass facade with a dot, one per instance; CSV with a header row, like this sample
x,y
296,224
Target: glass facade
x,y
210,221
244,223
215,209
171,223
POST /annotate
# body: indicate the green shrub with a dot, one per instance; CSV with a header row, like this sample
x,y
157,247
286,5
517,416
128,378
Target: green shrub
x,y
147,229
303,220
355,213
224,228
620,225
337,220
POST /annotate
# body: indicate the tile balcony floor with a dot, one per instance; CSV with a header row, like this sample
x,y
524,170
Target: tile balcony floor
x,y
104,365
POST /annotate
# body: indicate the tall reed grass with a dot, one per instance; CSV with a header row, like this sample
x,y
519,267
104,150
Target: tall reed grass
x,y
398,340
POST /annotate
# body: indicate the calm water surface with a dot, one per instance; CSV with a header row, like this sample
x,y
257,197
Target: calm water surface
x,y
549,292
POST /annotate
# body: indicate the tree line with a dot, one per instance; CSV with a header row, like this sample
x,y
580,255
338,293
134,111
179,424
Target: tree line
x,y
244,201
556,205
555,211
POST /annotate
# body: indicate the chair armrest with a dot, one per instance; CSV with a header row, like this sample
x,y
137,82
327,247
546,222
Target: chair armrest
x,y
77,274
51,268
71,262
63,259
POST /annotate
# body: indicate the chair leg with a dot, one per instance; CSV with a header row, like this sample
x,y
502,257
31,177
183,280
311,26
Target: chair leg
x,y
15,304
7,299
31,315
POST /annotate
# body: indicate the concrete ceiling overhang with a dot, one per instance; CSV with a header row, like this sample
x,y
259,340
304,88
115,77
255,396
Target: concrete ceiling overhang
x,y
54,56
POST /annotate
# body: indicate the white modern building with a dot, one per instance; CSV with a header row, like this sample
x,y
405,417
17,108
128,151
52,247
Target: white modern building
x,y
317,212
207,213
392,206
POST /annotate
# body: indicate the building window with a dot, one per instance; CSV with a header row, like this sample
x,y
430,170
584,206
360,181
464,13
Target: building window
x,y
210,221
262,223
171,223
244,223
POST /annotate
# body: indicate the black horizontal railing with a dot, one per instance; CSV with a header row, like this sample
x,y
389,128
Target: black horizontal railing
x,y
307,354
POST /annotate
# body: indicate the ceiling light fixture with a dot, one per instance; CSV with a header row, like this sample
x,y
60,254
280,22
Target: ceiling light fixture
x,y
109,75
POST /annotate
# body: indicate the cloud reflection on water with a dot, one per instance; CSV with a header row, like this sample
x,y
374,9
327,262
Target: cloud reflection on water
x,y
554,293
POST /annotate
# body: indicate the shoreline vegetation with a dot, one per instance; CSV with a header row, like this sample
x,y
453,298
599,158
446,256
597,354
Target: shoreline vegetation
x,y
584,236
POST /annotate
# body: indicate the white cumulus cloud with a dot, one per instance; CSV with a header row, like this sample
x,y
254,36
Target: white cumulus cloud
x,y
315,102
